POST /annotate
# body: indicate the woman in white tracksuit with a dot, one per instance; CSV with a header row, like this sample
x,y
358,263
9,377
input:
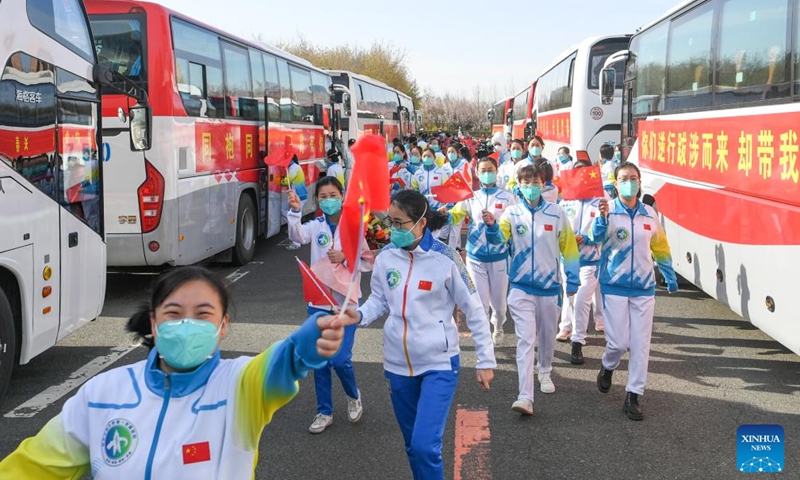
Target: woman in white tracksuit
x,y
632,237
487,264
418,281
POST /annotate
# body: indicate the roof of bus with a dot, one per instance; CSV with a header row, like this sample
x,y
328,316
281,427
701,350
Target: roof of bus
x,y
363,78
669,13
527,87
582,44
124,6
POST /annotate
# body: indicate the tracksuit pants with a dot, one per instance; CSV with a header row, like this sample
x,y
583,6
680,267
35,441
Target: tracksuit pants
x,y
629,326
491,281
421,404
589,299
533,316
455,235
343,365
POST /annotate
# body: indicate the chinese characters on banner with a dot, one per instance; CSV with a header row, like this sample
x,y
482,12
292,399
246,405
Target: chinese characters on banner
x,y
555,127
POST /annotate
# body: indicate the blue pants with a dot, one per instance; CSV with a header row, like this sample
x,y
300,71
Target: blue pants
x,y
343,365
421,405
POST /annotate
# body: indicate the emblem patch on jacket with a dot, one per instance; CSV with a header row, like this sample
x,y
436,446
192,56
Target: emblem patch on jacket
x,y
393,278
119,441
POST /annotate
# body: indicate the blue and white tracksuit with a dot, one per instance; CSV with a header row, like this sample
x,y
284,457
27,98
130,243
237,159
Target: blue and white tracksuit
x,y
323,235
454,240
419,289
136,421
538,237
581,215
607,168
631,239
487,263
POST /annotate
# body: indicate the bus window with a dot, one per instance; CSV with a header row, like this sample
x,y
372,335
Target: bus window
x,y
238,85
650,60
321,85
598,56
118,43
203,94
286,91
752,51
303,104
689,73
273,88
259,83
62,20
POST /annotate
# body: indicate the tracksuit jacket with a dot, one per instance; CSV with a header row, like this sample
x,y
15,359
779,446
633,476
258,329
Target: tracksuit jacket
x,y
581,215
632,239
139,422
493,199
419,289
426,177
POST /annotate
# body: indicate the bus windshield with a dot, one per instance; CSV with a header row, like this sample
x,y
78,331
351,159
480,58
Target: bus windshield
x,y
118,43
600,52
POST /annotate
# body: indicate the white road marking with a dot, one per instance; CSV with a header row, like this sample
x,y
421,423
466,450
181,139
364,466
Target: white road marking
x,y
76,379
235,276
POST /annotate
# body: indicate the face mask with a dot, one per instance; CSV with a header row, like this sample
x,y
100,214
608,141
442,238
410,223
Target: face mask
x,y
184,344
452,157
628,189
531,192
535,151
563,158
331,206
618,155
435,148
397,158
401,238
487,178
498,148
427,161
516,154
414,159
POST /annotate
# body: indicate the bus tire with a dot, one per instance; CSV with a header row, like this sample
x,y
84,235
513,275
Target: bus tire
x,y
8,343
246,231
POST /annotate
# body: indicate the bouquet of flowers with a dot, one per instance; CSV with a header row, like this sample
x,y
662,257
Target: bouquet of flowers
x,y
377,233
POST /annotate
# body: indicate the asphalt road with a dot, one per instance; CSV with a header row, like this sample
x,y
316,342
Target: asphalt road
x,y
710,372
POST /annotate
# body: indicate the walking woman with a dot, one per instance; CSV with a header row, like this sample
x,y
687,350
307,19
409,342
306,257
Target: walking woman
x,y
507,172
327,261
418,280
632,237
183,412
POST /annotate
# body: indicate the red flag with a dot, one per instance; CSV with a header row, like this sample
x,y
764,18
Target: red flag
x,y
367,190
455,189
196,453
313,290
496,156
581,183
467,173
281,155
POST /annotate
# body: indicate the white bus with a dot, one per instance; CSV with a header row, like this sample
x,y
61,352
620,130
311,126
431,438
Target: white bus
x,y
52,251
567,106
711,116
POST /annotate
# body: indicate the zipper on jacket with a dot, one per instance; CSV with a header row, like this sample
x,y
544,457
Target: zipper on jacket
x,y
405,321
446,341
154,446
633,249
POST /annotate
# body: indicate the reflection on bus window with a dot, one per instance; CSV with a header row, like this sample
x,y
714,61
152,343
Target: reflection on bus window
x,y
118,43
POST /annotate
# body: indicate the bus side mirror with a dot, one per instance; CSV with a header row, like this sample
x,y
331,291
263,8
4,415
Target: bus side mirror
x,y
608,82
490,115
346,103
141,121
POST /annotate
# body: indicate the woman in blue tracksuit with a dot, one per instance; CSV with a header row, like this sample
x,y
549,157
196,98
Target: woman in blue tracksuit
x,y
418,280
326,257
183,412
632,237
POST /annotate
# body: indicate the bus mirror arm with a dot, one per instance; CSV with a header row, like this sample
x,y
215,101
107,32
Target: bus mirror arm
x,y
119,83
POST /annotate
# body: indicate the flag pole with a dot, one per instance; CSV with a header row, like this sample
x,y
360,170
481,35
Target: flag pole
x,y
354,277
320,287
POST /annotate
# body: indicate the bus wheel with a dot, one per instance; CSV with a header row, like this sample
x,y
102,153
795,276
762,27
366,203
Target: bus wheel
x,y
245,246
8,343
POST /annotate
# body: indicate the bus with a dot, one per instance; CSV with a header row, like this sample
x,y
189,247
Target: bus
x,y
227,114
52,252
379,109
710,114
523,114
567,106
500,116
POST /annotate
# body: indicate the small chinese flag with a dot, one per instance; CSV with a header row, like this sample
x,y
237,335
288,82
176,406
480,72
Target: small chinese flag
x,y
582,183
196,453
425,285
453,190
313,290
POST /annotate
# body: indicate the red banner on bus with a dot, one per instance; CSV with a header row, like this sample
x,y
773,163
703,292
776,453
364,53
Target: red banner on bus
x,y
555,127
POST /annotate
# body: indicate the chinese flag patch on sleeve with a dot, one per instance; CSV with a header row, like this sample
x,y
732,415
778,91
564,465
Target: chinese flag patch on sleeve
x,y
548,228
425,285
647,226
498,206
196,453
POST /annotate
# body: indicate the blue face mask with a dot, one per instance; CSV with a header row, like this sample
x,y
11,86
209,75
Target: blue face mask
x,y
402,238
563,158
331,206
435,148
397,158
415,159
452,157
618,155
487,178
427,161
184,344
628,189
535,151
516,154
531,192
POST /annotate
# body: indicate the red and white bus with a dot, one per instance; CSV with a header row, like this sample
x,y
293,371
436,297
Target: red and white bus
x,y
523,113
222,106
710,113
52,253
500,116
363,105
568,108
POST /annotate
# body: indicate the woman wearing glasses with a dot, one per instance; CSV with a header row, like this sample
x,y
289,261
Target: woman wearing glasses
x,y
418,280
631,237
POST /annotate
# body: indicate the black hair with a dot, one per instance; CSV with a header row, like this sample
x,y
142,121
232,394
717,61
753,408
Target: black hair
x,y
325,181
429,149
582,163
395,140
565,149
401,147
351,142
519,142
412,139
333,155
486,159
529,171
624,166
161,288
537,137
544,165
464,151
606,151
414,204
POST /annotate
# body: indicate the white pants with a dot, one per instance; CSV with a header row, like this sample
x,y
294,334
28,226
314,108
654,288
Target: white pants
x,y
597,304
629,326
578,307
455,235
443,234
533,316
491,281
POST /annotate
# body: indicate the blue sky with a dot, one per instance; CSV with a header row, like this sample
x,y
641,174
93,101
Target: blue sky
x,y
451,46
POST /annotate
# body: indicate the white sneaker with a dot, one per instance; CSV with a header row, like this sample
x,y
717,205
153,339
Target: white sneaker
x,y
546,384
320,423
497,336
599,327
523,406
354,408
563,335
